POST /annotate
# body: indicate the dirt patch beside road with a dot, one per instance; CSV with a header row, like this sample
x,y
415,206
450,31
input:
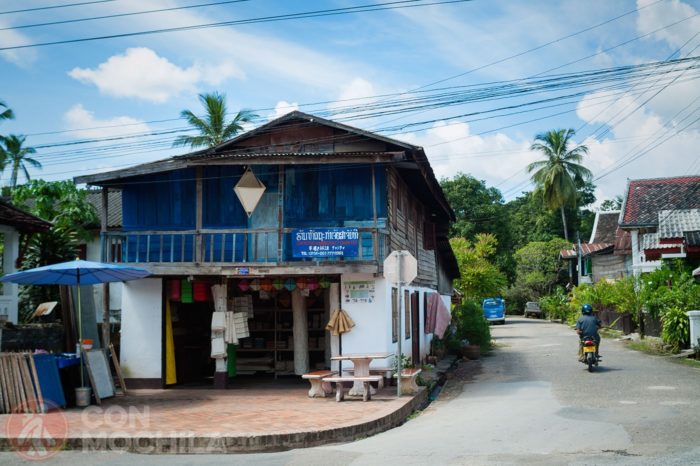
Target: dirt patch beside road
x,y
466,371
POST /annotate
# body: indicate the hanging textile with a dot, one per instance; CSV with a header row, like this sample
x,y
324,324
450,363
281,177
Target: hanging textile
x,y
431,313
170,368
443,318
218,321
219,292
186,291
231,360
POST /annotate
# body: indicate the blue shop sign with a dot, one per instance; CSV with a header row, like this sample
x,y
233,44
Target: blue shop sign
x,y
325,242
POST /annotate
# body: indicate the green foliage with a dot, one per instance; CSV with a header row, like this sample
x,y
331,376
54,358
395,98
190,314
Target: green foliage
x,y
479,278
478,209
67,209
676,328
471,325
610,205
539,270
556,305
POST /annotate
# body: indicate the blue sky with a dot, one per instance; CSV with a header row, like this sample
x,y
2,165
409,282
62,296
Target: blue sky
x,y
130,86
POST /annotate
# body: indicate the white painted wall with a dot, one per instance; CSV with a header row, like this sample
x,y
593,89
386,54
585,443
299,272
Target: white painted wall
x,y
8,298
141,329
93,253
372,331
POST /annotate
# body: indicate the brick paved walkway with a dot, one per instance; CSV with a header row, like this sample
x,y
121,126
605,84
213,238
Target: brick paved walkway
x,y
231,412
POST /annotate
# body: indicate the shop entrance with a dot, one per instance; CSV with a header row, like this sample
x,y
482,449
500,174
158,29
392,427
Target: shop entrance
x,y
268,351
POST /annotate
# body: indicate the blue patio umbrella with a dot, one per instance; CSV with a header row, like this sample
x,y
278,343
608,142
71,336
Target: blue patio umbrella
x,y
77,272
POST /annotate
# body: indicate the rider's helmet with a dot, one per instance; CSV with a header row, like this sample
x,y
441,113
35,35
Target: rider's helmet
x,y
586,309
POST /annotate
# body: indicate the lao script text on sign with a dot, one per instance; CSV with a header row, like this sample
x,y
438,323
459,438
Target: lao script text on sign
x,y
325,242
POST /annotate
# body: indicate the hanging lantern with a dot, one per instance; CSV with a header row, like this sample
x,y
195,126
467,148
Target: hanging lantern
x,y
255,284
200,292
290,284
312,283
243,285
301,283
278,284
266,284
174,290
325,282
249,190
186,291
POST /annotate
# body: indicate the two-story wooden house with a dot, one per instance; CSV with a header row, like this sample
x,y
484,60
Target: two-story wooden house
x,y
325,204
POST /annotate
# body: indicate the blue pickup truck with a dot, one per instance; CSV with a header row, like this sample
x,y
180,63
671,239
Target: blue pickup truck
x,y
494,310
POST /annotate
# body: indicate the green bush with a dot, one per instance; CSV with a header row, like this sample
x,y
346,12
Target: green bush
x,y
556,305
471,325
676,328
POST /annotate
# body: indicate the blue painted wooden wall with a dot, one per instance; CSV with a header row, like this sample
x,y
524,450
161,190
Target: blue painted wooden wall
x,y
314,196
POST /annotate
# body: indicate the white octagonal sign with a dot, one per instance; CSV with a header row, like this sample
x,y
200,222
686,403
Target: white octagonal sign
x,y
249,190
400,267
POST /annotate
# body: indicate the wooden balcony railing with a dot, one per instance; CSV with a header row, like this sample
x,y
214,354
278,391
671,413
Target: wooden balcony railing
x,y
226,246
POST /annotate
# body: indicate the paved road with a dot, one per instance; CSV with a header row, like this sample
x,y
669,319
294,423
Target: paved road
x,y
528,403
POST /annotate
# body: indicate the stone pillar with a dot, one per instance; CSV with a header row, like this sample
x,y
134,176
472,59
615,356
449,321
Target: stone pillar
x,y
301,333
694,317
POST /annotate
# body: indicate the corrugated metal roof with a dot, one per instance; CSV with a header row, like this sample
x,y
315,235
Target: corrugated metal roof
x,y
586,250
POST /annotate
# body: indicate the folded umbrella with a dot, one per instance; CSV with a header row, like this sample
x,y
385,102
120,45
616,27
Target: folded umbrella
x,y
339,323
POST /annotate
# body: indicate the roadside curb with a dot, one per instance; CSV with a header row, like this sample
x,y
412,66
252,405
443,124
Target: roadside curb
x,y
188,443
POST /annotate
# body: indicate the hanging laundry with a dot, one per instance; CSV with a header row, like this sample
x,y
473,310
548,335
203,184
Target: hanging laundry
x,y
186,291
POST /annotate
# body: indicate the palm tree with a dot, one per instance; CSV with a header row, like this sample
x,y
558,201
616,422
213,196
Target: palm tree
x,y
213,129
6,114
559,175
17,156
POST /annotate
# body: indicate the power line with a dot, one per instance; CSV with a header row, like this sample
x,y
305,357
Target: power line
x,y
120,15
54,7
396,5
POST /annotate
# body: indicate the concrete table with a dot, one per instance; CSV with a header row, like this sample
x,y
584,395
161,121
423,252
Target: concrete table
x,y
361,363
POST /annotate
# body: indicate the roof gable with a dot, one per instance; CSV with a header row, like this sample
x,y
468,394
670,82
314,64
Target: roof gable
x,y
21,220
605,227
645,198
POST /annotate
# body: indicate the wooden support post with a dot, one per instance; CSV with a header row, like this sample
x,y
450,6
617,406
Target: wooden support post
x,y
301,333
199,214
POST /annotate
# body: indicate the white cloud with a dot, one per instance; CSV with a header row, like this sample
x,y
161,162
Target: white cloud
x,y
665,13
282,108
498,159
9,38
86,125
141,73
634,141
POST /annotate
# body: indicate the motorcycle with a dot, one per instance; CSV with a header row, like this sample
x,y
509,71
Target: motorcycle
x,y
589,352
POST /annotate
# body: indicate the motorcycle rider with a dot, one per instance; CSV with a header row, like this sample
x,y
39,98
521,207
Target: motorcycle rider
x,y
587,326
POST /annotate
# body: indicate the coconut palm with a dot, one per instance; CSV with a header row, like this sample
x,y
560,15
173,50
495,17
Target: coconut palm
x,y
6,114
213,129
17,157
559,175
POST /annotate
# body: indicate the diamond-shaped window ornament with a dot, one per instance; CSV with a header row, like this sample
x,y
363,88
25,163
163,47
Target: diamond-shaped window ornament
x,y
249,190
